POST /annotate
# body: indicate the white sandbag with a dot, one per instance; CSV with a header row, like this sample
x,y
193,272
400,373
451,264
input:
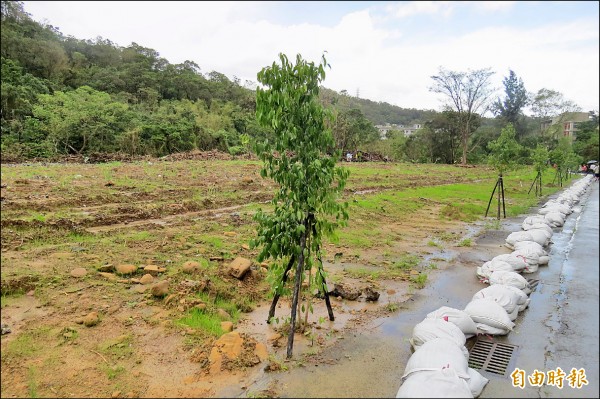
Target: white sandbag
x,y
476,382
531,220
493,265
510,278
435,354
540,226
501,294
489,312
529,257
531,246
518,263
529,235
530,269
522,298
442,383
542,237
525,305
555,219
484,329
562,208
513,315
429,329
455,316
543,260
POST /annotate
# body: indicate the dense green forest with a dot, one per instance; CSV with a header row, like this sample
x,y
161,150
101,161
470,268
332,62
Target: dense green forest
x,y
63,95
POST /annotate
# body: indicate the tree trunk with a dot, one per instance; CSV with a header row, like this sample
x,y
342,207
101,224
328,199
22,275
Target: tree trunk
x,y
297,282
465,142
276,297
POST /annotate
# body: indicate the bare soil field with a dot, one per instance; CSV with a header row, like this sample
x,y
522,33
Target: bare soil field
x,y
116,279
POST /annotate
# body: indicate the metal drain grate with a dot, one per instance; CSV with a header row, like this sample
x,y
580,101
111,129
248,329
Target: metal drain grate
x,y
494,357
533,283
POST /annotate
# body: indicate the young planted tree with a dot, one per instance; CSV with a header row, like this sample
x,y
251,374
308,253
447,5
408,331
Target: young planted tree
x,y
503,154
540,158
565,159
301,160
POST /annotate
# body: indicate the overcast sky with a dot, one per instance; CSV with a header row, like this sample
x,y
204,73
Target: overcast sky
x,y
384,51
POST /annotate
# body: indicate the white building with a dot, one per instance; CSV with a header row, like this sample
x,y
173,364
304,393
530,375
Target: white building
x,y
407,130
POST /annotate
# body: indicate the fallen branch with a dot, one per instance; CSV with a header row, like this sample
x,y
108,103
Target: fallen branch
x,y
103,358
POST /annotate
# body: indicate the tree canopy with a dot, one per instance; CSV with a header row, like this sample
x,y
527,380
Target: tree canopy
x,y
467,93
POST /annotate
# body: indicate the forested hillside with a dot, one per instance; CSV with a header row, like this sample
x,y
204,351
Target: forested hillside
x,y
64,95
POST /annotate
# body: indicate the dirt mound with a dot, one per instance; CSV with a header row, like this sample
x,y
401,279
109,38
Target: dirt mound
x,y
94,158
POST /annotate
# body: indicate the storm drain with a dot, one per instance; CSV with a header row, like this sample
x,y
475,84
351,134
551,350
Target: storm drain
x,y
494,357
533,283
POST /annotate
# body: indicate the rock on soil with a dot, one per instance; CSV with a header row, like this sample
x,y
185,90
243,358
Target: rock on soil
x,y
108,276
371,295
154,270
79,272
106,268
190,267
147,279
345,291
91,319
233,349
239,267
160,289
227,326
126,269
223,315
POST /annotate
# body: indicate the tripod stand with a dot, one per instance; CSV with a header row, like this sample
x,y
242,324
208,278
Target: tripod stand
x,y
538,185
500,186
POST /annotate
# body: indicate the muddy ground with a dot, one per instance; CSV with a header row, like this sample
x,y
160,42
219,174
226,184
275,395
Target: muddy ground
x,y
80,328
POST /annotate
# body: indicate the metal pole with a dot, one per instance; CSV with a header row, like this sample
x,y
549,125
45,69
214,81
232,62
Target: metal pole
x,y
491,197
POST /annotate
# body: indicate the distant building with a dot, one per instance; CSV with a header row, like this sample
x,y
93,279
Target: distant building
x,y
565,125
407,130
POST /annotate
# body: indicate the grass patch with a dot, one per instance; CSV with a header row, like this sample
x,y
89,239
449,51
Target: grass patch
x,y
202,320
358,238
120,347
407,262
139,236
432,243
362,273
26,344
214,242
112,372
392,307
494,224
9,299
419,280
466,242
32,384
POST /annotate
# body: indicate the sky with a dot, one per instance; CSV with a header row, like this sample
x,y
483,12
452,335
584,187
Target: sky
x,y
379,50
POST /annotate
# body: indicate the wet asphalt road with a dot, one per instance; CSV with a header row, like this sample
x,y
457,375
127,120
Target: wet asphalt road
x,y
560,327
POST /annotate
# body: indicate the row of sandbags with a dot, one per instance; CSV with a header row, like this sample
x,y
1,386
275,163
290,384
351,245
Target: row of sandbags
x,y
529,252
439,365
438,368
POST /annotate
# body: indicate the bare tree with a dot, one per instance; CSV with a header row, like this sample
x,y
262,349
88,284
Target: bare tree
x,y
469,94
548,104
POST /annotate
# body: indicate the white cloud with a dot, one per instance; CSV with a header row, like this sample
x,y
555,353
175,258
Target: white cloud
x,y
408,9
386,63
493,6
